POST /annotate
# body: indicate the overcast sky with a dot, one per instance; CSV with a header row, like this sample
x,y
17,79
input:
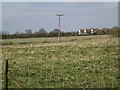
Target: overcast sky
x,y
0,16
59,0
19,16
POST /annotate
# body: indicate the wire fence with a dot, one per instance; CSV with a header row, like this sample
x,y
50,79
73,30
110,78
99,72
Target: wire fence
x,y
7,77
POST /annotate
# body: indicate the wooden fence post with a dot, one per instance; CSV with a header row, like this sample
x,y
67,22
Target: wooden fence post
x,y
6,75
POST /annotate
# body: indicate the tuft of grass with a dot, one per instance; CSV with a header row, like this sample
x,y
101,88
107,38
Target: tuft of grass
x,y
7,43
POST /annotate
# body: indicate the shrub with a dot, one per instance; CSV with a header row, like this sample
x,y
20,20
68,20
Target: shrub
x,y
114,32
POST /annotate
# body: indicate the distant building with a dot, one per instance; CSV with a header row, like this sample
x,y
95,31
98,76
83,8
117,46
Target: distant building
x,y
92,31
79,32
83,31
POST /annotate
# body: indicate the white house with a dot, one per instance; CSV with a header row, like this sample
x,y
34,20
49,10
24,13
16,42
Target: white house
x,y
84,31
92,31
80,32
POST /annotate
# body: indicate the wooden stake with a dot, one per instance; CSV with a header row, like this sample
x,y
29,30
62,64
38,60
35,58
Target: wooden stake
x,y
6,75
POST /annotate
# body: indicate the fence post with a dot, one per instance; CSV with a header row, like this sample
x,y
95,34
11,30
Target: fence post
x,y
6,75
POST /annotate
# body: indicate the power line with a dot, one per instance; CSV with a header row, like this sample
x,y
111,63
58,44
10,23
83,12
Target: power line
x,y
59,15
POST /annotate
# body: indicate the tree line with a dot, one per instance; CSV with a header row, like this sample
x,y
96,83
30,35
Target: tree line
x,y
43,33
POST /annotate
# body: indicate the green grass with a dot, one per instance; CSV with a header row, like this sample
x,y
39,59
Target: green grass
x,y
75,62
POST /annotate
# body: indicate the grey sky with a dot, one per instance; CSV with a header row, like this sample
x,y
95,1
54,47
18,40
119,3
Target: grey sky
x,y
35,15
59,0
0,16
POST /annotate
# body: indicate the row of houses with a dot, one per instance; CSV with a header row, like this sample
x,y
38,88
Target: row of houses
x,y
92,31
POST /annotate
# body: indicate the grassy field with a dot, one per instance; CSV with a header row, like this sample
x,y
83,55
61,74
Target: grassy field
x,y
74,62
